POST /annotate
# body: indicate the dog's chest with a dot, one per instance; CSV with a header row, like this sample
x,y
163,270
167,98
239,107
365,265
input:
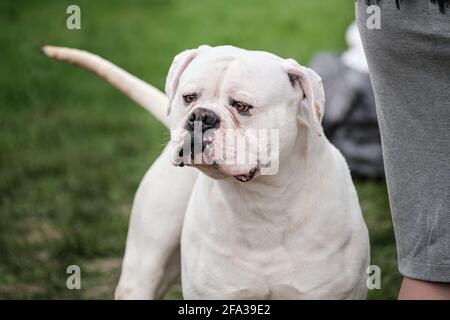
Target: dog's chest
x,y
238,274
229,257
211,271
230,261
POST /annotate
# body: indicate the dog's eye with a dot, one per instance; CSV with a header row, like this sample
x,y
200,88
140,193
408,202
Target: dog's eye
x,y
241,107
189,98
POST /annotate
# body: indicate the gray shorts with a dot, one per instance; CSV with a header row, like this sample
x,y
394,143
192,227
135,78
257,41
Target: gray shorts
x,y
409,63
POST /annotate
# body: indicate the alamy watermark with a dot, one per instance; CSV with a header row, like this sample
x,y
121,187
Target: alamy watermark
x,y
374,279
73,21
73,281
374,20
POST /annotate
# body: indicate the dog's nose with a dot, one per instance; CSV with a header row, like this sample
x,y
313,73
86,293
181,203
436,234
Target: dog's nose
x,y
198,139
207,118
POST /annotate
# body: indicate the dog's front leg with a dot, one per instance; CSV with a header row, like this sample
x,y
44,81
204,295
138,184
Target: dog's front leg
x,y
151,263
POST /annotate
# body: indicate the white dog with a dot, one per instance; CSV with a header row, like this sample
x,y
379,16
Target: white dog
x,y
296,234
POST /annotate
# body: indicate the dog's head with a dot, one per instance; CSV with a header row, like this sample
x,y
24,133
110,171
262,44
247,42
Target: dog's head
x,y
235,112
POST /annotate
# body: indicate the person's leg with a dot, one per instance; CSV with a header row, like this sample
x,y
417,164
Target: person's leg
x,y
409,63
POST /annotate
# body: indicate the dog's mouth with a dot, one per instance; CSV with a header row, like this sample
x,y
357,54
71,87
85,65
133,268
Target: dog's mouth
x,y
216,169
248,176
203,156
192,159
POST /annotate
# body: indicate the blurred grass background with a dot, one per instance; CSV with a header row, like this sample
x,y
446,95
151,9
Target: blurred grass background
x,y
73,150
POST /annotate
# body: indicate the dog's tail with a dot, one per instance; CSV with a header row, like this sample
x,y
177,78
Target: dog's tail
x,y
139,91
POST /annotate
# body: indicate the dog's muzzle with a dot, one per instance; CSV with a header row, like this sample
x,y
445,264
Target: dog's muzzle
x,y
200,125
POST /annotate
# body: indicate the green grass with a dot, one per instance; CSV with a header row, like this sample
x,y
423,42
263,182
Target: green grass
x,y
73,150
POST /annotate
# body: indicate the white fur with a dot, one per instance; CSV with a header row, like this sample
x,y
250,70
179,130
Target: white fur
x,y
298,234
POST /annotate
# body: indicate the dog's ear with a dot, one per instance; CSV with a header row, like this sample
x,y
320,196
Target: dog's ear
x,y
179,64
312,87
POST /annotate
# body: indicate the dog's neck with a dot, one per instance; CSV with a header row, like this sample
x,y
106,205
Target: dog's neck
x,y
298,173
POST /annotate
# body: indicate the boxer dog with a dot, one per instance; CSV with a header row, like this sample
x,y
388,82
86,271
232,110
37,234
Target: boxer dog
x,y
296,232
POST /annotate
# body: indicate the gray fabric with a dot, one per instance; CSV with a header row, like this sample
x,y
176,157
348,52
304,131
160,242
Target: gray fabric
x,y
350,120
409,63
